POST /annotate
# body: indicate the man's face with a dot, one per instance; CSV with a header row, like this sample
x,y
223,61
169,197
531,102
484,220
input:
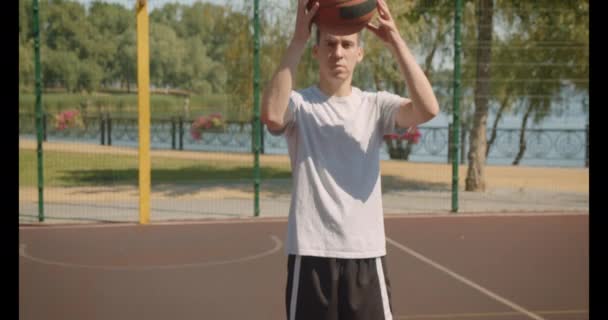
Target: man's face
x,y
337,55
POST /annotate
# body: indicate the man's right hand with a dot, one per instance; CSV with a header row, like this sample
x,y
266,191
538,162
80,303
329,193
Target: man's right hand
x,y
304,20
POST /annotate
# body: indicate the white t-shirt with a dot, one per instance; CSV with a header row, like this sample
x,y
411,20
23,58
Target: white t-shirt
x,y
334,147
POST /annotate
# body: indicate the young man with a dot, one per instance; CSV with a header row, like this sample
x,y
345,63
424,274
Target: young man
x,y
336,243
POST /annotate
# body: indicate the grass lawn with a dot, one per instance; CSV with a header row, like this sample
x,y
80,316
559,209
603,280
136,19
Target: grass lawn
x,y
69,169
123,104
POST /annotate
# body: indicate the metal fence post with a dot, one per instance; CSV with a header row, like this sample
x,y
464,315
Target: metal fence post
x,y
456,102
102,128
587,146
463,144
172,133
109,125
39,113
450,142
262,133
44,130
181,132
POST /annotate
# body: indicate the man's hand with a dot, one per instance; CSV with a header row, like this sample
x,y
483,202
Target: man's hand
x,y
304,20
387,30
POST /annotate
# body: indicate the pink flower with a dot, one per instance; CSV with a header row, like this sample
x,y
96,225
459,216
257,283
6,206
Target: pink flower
x,y
196,135
413,135
203,123
68,119
68,115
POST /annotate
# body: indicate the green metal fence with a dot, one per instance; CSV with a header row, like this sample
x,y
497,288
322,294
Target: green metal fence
x,y
78,57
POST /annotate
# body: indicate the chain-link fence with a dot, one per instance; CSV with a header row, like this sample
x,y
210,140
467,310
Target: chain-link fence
x,y
524,83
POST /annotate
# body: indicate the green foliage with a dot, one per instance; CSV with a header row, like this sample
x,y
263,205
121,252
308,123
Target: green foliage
x,y
89,76
26,66
207,49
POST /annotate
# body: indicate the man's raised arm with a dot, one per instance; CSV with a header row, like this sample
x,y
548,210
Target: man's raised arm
x,y
423,105
276,94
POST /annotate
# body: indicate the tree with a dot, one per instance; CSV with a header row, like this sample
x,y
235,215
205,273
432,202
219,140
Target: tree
x,y
26,65
538,51
239,66
125,59
475,180
166,55
171,15
554,56
199,72
25,21
507,90
210,23
64,26
89,76
107,23
60,69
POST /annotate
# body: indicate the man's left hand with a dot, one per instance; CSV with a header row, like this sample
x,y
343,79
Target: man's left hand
x,y
387,29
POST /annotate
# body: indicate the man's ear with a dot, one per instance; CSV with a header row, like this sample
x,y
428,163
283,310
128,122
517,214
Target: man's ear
x,y
315,51
360,54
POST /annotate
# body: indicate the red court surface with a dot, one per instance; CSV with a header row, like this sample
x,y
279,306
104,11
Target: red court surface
x,y
511,267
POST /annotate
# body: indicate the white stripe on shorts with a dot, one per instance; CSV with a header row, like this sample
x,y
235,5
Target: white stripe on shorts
x,y
383,291
294,288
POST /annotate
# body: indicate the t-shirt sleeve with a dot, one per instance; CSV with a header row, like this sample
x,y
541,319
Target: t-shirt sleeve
x,y
389,103
295,100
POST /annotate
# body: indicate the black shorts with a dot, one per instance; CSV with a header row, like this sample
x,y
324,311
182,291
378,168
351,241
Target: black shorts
x,y
337,289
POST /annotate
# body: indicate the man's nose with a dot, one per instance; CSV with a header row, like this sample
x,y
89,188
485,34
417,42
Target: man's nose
x,y
338,51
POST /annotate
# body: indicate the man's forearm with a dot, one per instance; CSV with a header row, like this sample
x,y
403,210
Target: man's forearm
x,y
276,95
419,87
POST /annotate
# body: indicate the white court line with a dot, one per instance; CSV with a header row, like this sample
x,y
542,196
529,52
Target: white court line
x,y
277,245
485,315
465,280
531,214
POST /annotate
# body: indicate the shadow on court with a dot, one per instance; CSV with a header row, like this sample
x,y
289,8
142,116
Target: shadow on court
x,y
448,267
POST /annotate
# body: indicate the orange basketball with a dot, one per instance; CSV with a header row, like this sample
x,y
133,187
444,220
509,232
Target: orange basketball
x,y
342,17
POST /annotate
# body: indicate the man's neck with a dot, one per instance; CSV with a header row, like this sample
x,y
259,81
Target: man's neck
x,y
335,88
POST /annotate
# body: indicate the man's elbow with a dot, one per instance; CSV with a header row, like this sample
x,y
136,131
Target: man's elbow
x,y
265,114
273,125
265,117
271,120
432,111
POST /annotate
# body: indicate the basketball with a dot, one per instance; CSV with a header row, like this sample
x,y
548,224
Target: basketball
x,y
343,17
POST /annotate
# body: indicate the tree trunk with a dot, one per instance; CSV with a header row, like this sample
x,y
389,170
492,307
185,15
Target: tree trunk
x,y
475,180
428,61
522,137
377,81
399,86
503,106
